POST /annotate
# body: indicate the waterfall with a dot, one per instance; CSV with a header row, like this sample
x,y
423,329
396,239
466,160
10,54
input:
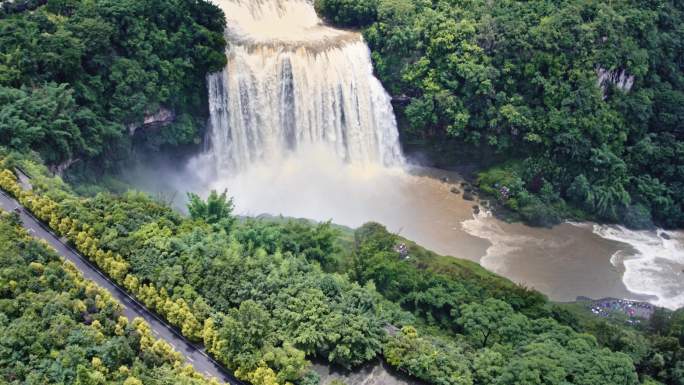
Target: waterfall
x,y
292,82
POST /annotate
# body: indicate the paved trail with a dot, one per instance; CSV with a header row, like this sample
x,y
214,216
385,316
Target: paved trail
x,y
132,308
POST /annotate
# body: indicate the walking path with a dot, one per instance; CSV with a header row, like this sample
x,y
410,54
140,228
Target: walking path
x,y
193,354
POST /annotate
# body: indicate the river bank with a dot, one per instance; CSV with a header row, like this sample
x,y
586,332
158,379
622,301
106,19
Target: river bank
x,y
564,262
570,259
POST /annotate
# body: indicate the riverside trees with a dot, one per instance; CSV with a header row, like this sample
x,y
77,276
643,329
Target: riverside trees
x,y
262,304
582,98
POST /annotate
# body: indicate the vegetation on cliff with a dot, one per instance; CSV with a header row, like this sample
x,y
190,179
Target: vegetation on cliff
x,y
77,76
582,97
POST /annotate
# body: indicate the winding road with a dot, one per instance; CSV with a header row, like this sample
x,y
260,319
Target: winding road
x,y
192,353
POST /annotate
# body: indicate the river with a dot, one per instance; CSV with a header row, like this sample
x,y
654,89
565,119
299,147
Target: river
x,y
563,262
300,126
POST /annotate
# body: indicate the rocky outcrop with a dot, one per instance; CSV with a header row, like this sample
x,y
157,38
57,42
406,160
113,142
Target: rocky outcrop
x,y
401,99
58,169
617,77
161,118
17,6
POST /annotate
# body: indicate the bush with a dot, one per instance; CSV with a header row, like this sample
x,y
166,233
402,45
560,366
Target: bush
x,y
77,73
537,213
519,81
350,13
637,217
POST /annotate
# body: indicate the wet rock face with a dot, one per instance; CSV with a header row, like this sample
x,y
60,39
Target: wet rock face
x,y
617,77
59,169
162,117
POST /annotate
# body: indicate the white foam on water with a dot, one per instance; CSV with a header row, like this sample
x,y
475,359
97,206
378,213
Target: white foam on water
x,y
291,81
655,264
503,244
314,183
274,20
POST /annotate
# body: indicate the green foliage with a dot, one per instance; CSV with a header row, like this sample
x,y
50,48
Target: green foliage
x,y
317,242
262,304
654,345
218,209
58,328
47,119
507,335
438,362
353,13
430,285
268,310
521,79
490,322
75,75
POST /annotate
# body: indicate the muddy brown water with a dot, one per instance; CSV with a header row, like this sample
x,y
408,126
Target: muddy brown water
x,y
563,262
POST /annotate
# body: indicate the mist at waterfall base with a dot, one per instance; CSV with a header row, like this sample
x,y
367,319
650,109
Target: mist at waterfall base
x,y
300,127
566,261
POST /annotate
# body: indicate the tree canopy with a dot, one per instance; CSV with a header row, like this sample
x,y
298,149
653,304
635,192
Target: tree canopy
x,y
582,98
259,298
58,328
76,77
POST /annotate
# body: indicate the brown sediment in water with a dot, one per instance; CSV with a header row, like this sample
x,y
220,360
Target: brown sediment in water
x,y
313,47
563,262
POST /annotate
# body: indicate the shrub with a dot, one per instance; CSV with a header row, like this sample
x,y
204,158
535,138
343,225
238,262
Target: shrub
x,y
351,13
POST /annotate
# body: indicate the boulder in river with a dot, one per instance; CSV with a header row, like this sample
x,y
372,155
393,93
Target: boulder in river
x,y
476,209
455,190
468,195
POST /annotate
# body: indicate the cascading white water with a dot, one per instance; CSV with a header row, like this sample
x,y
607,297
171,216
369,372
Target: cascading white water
x,y
300,127
292,82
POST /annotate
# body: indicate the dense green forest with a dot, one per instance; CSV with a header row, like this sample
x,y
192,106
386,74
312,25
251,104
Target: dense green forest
x,y
520,79
583,98
57,328
77,77
265,296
